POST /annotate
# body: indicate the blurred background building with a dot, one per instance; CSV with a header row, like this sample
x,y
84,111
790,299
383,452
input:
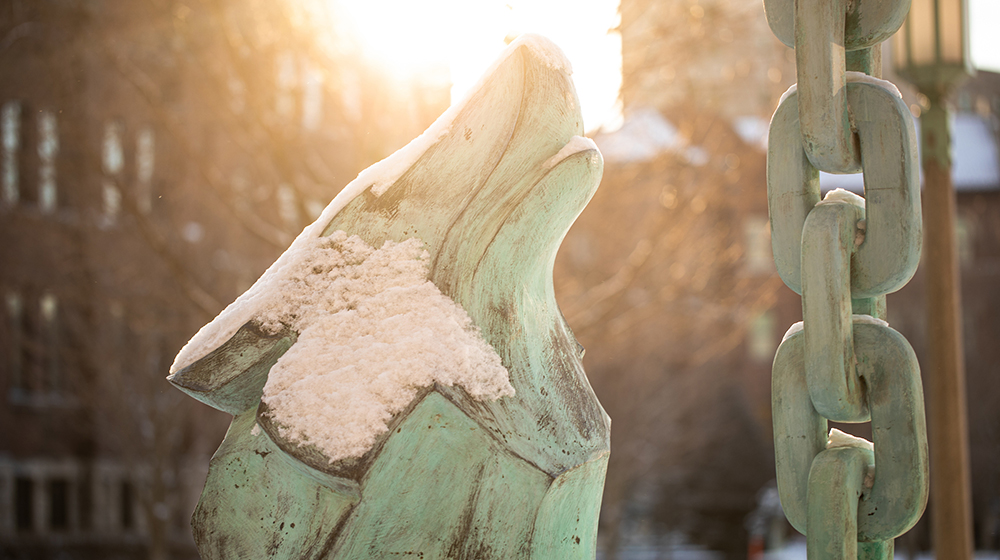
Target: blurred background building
x,y
156,157
668,280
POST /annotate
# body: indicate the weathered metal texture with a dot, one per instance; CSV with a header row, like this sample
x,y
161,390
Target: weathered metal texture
x,y
231,378
836,480
822,32
820,65
889,368
799,431
889,256
828,239
519,477
949,431
836,483
843,256
868,22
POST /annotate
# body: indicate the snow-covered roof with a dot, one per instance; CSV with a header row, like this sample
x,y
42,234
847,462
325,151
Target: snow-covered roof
x,y
752,129
976,166
975,159
645,134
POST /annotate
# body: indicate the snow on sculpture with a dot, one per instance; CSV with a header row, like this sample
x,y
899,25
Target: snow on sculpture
x,y
401,379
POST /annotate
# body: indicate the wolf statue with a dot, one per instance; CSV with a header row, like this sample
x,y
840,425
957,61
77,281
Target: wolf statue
x,y
482,200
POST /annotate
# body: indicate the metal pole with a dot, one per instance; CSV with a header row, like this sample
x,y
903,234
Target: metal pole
x,y
951,514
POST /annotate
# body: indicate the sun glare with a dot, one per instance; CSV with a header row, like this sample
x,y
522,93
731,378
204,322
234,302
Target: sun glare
x,y
457,40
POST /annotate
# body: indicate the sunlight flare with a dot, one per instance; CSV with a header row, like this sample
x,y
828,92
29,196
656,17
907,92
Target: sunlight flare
x,y
455,41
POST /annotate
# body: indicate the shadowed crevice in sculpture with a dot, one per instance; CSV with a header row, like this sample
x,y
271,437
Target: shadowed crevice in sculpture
x,y
232,377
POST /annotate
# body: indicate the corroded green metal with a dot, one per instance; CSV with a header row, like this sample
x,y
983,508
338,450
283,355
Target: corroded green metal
x,y
843,256
836,479
519,477
890,253
888,366
869,22
836,482
828,241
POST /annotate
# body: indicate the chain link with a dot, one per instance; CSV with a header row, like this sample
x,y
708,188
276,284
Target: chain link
x,y
843,255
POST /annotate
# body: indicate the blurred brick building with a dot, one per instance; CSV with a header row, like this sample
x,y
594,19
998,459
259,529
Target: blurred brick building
x,y
155,157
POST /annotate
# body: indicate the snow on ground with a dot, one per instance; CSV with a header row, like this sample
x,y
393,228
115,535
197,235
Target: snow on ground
x,y
795,550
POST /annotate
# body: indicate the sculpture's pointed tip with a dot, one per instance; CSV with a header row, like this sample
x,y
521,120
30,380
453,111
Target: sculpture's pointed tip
x,y
545,50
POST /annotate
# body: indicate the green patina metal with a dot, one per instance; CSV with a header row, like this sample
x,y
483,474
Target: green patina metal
x,y
890,253
889,368
843,256
519,477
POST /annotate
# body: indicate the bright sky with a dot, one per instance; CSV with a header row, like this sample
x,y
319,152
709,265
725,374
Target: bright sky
x,y
463,37
984,41
467,36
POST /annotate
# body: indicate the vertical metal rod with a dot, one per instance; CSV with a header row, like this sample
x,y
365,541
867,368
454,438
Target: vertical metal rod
x,y
951,511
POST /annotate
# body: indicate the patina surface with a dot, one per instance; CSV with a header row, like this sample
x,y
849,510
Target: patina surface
x,y
517,477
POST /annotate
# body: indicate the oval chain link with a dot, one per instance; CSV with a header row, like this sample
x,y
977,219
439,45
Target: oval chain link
x,y
889,256
843,256
868,22
895,500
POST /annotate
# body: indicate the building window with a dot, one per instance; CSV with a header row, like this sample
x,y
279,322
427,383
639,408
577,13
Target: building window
x,y
35,359
964,240
312,97
761,340
757,239
127,506
29,350
288,206
10,133
59,505
15,326
287,81
49,334
145,159
112,162
48,149
83,495
24,502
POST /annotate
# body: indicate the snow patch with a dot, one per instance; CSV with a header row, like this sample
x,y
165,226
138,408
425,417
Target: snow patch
x,y
753,130
792,330
788,93
372,331
862,78
868,320
546,51
837,438
644,134
842,195
576,145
